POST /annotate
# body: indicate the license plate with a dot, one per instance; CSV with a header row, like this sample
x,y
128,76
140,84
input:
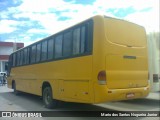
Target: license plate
x,y
130,95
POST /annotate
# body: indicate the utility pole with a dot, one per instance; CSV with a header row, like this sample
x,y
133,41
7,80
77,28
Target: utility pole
x,y
15,45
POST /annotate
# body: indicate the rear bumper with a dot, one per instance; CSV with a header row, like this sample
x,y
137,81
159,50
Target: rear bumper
x,y
107,95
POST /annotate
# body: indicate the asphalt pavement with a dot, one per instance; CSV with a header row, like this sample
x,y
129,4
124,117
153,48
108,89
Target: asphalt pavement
x,y
28,102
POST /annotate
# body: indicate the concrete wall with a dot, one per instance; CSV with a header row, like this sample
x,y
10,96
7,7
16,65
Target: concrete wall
x,y
5,50
154,60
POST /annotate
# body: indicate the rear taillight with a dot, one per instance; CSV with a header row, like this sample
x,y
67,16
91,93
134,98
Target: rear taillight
x,y
102,78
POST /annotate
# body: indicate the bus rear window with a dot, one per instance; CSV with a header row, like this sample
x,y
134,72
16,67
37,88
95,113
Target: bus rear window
x,y
125,33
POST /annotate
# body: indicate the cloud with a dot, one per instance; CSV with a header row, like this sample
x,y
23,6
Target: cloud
x,y
142,12
147,20
150,19
4,15
121,12
41,18
50,14
42,5
136,4
36,31
7,26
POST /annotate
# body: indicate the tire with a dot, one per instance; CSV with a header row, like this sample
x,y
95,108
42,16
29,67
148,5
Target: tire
x,y
14,89
48,100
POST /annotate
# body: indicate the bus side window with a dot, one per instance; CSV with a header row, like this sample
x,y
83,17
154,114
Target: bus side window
x,y
44,51
18,58
28,56
58,46
67,44
14,60
50,48
89,36
21,57
83,39
25,56
80,40
33,53
38,52
76,41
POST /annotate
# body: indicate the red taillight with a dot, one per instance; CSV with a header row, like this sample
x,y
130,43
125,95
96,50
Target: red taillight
x,y
102,77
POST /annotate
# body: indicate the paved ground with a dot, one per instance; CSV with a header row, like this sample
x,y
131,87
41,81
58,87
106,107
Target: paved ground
x,y
154,96
28,102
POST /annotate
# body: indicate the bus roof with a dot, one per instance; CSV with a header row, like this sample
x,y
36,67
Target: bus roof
x,y
101,16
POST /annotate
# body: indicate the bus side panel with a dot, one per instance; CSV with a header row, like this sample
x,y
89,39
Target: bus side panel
x,y
74,79
70,79
25,79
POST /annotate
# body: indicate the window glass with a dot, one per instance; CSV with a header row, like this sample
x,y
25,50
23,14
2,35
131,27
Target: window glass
x,y
25,56
18,58
89,30
67,44
58,46
33,53
14,59
38,54
76,41
0,67
28,56
83,39
21,57
50,48
44,51
10,62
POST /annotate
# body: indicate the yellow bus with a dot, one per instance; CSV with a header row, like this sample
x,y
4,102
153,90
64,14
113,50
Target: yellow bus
x,y
98,60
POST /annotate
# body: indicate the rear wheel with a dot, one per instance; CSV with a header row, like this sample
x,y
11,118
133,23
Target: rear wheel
x,y
48,100
14,89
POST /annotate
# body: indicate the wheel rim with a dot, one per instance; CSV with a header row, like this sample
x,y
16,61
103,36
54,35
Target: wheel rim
x,y
48,97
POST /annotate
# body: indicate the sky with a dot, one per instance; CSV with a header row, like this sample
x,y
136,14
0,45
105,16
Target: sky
x,y
28,21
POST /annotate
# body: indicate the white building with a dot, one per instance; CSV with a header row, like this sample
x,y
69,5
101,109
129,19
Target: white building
x,y
154,61
6,48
